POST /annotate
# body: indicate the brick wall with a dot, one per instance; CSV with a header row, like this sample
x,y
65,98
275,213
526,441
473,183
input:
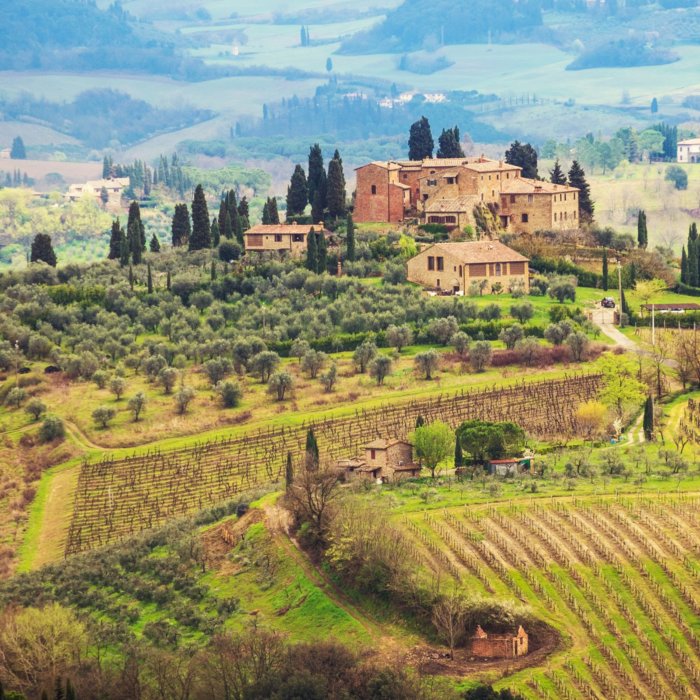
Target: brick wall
x,y
377,199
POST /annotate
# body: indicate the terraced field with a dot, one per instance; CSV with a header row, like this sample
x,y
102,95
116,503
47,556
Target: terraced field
x,y
618,577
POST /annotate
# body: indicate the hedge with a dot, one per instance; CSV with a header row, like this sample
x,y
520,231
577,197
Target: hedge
x,y
564,267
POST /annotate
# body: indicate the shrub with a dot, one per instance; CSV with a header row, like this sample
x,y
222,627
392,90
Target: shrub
x,y
35,408
678,176
230,393
52,428
104,415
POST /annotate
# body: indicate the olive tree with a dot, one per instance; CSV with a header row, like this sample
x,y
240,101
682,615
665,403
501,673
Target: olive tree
x,y
329,378
427,362
183,398
364,354
380,368
35,408
399,336
230,393
433,443
460,342
117,386
442,329
280,384
137,404
511,335
578,344
104,415
313,362
264,364
480,355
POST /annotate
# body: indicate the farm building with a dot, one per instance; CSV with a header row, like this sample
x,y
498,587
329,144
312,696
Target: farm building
x,y
287,239
386,460
499,646
109,188
455,267
506,467
689,151
446,191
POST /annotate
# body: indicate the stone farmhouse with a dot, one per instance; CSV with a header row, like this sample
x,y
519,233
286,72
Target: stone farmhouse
x,y
499,646
454,267
285,239
446,191
689,151
384,460
114,187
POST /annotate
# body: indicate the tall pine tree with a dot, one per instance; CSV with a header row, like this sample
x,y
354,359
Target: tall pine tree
x,y
201,228
322,252
648,421
272,210
557,175
685,275
215,234
524,156
135,233
420,140
577,178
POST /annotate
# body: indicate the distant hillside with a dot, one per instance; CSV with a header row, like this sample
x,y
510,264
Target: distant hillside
x,y
421,24
624,53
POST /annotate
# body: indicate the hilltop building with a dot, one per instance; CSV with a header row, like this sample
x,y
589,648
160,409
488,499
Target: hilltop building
x,y
447,190
689,151
286,239
107,191
454,267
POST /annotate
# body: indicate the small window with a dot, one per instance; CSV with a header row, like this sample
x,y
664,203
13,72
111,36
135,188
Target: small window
x,y
530,199
431,262
374,189
437,284
512,199
278,238
373,454
525,218
498,270
440,264
298,237
555,216
450,181
574,215
460,270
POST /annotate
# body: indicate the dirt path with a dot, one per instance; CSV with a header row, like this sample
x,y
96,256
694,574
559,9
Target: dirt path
x,y
80,438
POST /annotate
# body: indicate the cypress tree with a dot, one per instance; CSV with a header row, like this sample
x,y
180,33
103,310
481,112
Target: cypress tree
x,y
42,250
18,151
420,140
201,228
297,193
149,279
266,212
154,245
577,178
449,146
648,422
524,156
316,173
623,306
244,208
213,270
336,189
459,459
181,228
115,241
317,208
557,175
642,238
228,228
133,235
131,277
311,251
215,234
312,456
124,252
273,212
167,281
223,210
684,267
350,239
606,280
322,252
288,473
70,691
692,262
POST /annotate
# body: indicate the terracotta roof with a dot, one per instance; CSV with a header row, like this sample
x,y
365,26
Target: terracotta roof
x,y
462,203
671,307
523,185
444,162
492,166
478,252
285,228
387,165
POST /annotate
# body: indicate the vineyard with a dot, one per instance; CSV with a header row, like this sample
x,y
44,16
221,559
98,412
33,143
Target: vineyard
x,y
620,577
116,498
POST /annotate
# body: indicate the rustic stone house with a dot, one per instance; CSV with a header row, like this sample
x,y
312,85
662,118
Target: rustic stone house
x,y
455,266
689,151
386,460
285,239
499,646
446,190
113,187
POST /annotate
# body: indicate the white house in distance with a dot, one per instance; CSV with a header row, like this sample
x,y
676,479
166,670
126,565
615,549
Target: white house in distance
x,y
689,151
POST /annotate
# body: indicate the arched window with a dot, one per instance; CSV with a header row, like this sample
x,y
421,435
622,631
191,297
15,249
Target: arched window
x,y
374,189
498,269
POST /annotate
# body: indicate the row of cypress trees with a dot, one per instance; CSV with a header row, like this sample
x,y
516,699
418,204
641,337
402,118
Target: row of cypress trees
x,y
128,246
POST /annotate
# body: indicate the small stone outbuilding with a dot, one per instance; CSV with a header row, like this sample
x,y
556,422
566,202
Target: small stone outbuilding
x,y
499,646
385,460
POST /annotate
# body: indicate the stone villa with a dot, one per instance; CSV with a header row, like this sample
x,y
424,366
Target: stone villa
x,y
454,267
689,151
446,191
114,187
385,460
289,239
